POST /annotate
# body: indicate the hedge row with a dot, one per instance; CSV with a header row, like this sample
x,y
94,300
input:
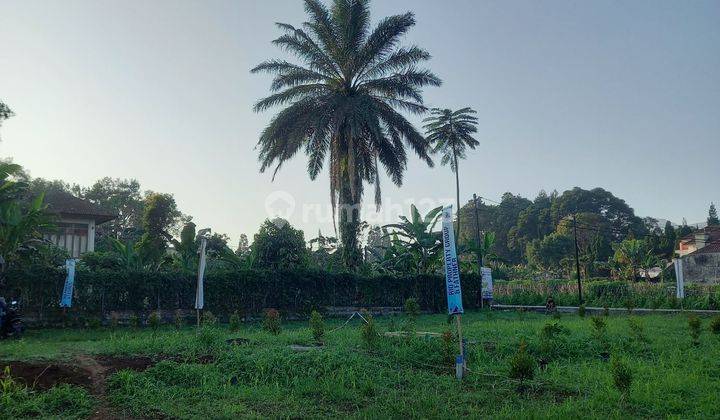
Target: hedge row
x,y
246,291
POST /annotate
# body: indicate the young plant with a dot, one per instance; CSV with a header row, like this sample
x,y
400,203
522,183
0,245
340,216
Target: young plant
x,y
412,308
637,330
629,305
448,345
606,310
178,320
715,325
209,319
154,322
522,365
695,327
581,311
134,321
368,332
234,322
114,320
553,340
317,326
271,321
622,375
599,326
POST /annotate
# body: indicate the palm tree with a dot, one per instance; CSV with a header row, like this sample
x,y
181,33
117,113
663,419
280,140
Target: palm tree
x,y
450,133
342,104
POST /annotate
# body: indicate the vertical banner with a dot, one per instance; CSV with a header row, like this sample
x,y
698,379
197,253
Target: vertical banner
x,y
200,293
67,294
487,283
452,272
679,279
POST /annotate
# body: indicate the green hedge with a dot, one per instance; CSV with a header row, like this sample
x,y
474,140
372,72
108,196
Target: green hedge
x,y
246,291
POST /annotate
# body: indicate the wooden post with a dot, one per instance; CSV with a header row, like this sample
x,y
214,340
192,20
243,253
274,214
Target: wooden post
x,y
460,371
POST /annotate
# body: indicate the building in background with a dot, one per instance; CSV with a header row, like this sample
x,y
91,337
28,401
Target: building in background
x,y
700,254
76,222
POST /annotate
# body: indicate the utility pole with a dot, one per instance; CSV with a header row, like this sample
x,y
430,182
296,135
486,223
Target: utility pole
x,y
477,244
577,260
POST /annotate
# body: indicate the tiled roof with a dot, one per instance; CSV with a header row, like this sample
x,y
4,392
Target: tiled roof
x,y
711,248
713,233
66,204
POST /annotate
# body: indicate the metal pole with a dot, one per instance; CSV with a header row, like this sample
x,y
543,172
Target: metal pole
x,y
477,244
460,371
577,261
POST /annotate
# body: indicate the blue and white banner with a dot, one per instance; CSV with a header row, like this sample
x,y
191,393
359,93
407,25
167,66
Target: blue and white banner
x,y
66,300
679,279
487,283
452,272
200,292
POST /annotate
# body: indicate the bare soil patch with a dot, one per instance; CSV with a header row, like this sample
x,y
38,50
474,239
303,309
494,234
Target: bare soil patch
x,y
45,375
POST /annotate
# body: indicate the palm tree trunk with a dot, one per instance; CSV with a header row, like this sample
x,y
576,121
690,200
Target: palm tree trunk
x,y
349,206
457,196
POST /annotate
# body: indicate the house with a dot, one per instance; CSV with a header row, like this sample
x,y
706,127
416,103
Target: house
x,y
76,222
700,254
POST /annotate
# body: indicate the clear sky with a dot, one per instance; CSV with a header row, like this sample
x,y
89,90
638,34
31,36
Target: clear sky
x,y
623,95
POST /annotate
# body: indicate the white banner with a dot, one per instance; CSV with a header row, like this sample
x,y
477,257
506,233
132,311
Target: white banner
x,y
200,293
452,272
487,283
679,279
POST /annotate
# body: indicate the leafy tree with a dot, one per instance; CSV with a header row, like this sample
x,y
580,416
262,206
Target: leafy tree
x,y
279,246
535,222
550,252
243,248
669,240
450,133
712,219
377,241
122,197
5,112
159,215
342,104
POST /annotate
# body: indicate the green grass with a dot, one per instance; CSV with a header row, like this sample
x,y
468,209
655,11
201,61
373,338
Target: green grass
x,y
397,378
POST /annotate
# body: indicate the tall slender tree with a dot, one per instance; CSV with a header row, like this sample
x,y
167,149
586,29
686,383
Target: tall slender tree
x,y
713,216
342,104
450,134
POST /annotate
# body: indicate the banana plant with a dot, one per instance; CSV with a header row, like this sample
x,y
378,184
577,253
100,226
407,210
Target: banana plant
x,y
414,242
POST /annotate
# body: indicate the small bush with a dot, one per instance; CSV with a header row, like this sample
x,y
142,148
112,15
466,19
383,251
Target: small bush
x,y
606,310
715,325
209,319
522,364
629,305
368,332
599,326
178,320
94,322
271,321
154,322
695,327
114,320
412,308
622,375
581,311
234,322
448,345
134,321
552,330
317,326
637,330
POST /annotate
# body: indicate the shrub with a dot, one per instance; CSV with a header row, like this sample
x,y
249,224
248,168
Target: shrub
x,y
622,375
695,327
599,326
368,332
154,321
178,320
637,330
629,305
606,310
134,321
234,322
522,364
271,321
114,320
94,322
552,330
581,311
209,319
317,326
412,308
552,340
715,325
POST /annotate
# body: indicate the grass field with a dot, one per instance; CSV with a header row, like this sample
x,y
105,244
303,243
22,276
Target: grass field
x,y
107,373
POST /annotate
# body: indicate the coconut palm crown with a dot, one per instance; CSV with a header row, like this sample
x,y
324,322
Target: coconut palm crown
x,y
342,103
450,133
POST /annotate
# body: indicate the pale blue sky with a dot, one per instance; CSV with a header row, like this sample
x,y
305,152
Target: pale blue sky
x,y
624,95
